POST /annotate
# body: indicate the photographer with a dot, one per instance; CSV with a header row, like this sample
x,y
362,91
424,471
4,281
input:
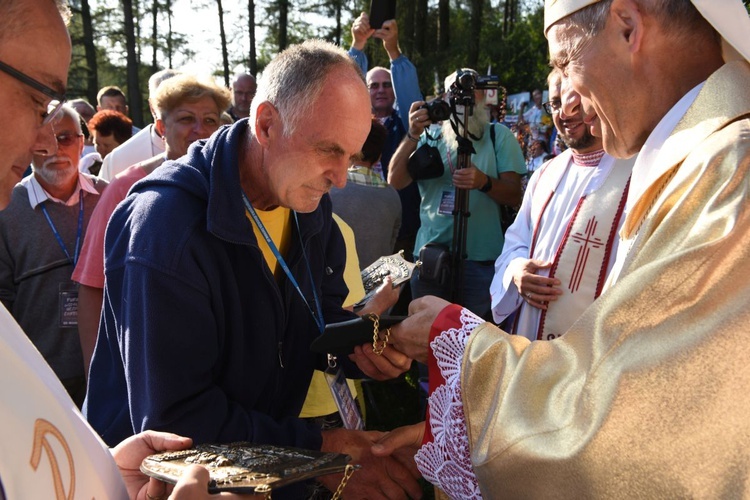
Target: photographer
x,y
493,178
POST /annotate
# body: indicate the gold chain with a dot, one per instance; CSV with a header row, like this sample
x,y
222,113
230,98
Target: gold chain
x,y
348,471
378,346
347,474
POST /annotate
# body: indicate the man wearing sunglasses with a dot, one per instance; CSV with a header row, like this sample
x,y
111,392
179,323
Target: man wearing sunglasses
x,y
46,221
48,449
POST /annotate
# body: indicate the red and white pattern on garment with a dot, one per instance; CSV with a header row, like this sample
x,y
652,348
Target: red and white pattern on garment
x,y
444,458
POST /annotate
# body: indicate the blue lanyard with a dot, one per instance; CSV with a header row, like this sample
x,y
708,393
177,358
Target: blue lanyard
x,y
60,241
319,317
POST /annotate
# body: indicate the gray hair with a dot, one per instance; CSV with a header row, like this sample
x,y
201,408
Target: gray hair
x,y
377,68
68,110
155,80
294,79
678,16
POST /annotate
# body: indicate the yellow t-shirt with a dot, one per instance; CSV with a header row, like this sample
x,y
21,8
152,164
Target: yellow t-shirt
x,y
277,224
319,401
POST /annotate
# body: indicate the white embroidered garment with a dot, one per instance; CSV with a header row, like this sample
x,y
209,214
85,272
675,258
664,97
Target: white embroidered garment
x,y
570,182
445,462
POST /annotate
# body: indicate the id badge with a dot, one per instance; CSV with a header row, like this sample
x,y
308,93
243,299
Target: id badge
x,y
344,401
447,202
68,305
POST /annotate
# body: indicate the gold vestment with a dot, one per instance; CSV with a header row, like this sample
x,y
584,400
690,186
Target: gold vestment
x,y
648,394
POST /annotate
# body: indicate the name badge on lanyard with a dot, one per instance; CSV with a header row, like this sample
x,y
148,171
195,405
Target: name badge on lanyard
x,y
67,305
342,396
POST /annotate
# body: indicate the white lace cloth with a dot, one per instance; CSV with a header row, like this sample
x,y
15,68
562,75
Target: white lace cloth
x,y
446,462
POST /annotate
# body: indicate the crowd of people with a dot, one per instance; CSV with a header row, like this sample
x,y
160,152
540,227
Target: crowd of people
x,y
161,287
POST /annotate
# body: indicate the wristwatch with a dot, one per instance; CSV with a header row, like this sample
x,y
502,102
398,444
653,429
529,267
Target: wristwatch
x,y
487,185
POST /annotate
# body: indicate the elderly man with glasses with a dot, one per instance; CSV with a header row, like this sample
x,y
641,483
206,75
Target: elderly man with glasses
x,y
572,207
43,227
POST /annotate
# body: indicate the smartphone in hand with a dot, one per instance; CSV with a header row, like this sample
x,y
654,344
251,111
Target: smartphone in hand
x,y
381,11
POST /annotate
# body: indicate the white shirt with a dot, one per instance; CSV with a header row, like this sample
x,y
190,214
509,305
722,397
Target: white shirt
x,y
37,194
142,146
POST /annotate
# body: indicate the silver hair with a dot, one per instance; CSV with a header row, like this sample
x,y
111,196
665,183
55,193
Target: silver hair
x,y
68,110
376,68
294,79
157,78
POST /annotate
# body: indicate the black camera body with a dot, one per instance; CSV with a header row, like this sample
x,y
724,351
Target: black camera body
x,y
437,110
468,81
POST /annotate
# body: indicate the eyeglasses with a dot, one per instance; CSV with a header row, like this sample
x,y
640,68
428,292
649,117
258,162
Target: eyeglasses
x,y
377,85
552,107
58,99
66,139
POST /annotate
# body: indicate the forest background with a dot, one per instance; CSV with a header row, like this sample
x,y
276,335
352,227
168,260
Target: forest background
x,y
123,42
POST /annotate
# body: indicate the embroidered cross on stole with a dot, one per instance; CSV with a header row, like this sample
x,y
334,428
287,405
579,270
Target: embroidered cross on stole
x,y
582,259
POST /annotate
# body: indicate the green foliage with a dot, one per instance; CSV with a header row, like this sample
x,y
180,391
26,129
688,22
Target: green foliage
x,y
517,55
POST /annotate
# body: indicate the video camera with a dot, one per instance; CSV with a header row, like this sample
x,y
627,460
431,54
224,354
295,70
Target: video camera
x,y
468,81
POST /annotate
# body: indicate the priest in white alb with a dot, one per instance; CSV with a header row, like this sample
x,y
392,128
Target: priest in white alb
x,y
563,242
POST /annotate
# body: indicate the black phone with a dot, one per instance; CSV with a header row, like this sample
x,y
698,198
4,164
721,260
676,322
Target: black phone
x,y
381,11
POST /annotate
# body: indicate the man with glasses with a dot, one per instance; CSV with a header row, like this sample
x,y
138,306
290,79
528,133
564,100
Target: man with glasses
x,y
646,394
391,94
572,205
45,223
48,449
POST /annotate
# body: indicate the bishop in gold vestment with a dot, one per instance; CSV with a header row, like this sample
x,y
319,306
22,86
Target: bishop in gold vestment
x,y
647,394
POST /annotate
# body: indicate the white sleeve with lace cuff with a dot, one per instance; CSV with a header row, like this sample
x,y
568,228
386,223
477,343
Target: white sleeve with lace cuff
x,y
446,461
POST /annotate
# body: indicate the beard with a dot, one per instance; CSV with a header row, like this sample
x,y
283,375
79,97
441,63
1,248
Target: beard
x,y
55,176
585,141
477,123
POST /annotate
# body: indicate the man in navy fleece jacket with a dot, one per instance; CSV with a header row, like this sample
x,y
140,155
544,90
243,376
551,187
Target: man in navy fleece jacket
x,y
204,332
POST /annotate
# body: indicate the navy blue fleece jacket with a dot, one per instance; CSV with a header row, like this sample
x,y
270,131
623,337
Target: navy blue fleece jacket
x,y
196,336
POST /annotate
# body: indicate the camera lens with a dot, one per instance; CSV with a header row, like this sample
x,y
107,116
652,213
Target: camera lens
x,y
438,110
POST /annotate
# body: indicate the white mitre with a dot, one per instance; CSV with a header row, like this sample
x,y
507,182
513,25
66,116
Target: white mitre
x,y
728,17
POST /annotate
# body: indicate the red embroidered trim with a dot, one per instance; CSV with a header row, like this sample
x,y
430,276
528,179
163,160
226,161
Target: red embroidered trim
x,y
588,159
611,241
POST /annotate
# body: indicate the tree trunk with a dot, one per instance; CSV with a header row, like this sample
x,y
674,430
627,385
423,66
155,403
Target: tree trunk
x,y
169,33
408,32
475,24
253,59
154,33
337,35
134,88
444,15
224,54
283,20
92,82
